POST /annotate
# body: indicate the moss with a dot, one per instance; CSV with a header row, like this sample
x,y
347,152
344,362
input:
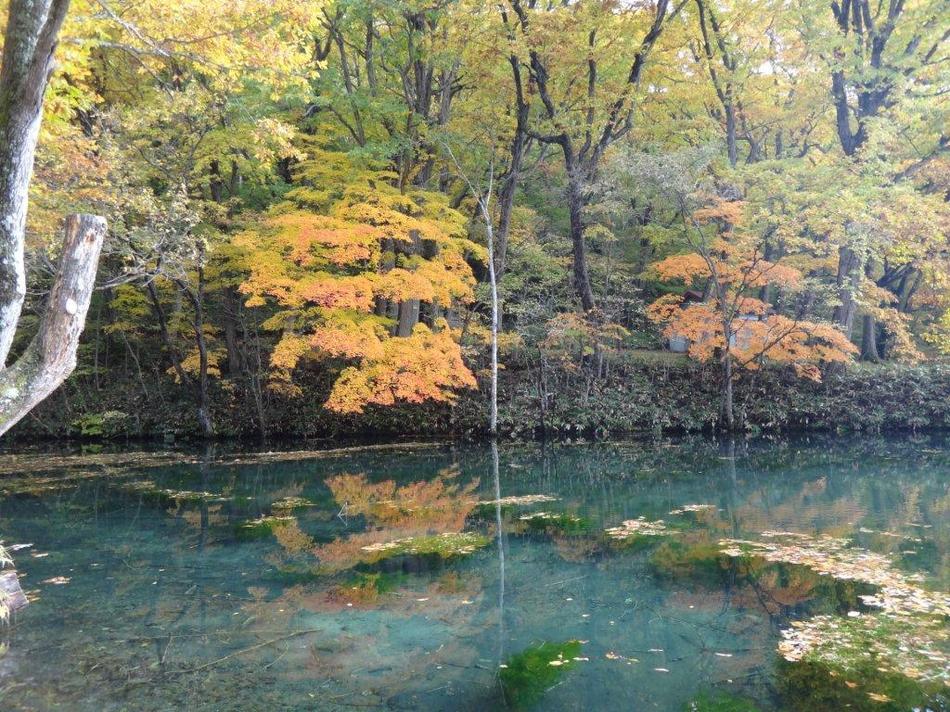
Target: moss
x,y
528,674
720,702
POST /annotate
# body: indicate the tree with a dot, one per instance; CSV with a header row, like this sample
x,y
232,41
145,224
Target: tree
x,y
29,45
608,94
725,262
363,274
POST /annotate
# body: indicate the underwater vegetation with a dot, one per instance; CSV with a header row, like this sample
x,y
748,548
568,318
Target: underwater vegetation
x,y
262,527
641,526
554,522
527,675
441,547
895,657
720,702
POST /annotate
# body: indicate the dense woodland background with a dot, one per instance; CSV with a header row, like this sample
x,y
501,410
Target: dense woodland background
x,y
300,196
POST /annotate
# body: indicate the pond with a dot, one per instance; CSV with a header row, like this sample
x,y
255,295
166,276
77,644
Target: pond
x,y
682,574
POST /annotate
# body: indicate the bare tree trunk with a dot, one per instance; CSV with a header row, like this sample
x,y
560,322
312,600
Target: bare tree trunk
x,y
51,356
28,46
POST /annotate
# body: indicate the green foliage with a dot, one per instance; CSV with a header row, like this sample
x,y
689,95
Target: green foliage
x,y
107,425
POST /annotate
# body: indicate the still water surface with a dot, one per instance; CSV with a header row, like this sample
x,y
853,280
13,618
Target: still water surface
x,y
436,577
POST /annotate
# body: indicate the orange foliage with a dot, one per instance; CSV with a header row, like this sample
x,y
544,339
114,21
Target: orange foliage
x,y
424,366
804,345
339,277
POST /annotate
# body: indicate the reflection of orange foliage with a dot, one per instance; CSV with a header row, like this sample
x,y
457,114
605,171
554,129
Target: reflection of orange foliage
x,y
292,538
416,509
438,505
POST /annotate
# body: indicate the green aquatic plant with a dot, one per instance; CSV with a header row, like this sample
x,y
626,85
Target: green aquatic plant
x,y
445,546
555,522
808,686
720,702
527,675
488,509
262,527
367,587
702,561
637,534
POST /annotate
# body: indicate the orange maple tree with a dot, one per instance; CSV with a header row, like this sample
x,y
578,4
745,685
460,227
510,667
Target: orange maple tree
x,y
349,261
728,323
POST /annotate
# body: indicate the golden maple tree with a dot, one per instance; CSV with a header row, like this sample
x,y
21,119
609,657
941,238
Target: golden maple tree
x,y
349,261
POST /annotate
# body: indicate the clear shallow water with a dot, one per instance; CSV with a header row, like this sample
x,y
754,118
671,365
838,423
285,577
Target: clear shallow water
x,y
150,600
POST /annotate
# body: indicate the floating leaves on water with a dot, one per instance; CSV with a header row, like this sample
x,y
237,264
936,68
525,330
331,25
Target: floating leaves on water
x,y
899,592
641,526
148,488
289,503
446,545
58,580
913,646
263,526
695,508
611,655
824,555
907,637
521,500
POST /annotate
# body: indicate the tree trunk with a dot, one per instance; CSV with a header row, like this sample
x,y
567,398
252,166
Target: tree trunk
x,y
11,595
728,408
579,246
409,309
29,43
51,356
731,131
869,350
848,279
204,413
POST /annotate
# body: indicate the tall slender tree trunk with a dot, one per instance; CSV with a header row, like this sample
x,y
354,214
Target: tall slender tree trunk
x,y
575,199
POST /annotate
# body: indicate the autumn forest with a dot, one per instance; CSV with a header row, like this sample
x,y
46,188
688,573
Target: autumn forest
x,y
447,217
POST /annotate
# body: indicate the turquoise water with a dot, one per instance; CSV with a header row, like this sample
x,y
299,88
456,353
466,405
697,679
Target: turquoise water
x,y
406,578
